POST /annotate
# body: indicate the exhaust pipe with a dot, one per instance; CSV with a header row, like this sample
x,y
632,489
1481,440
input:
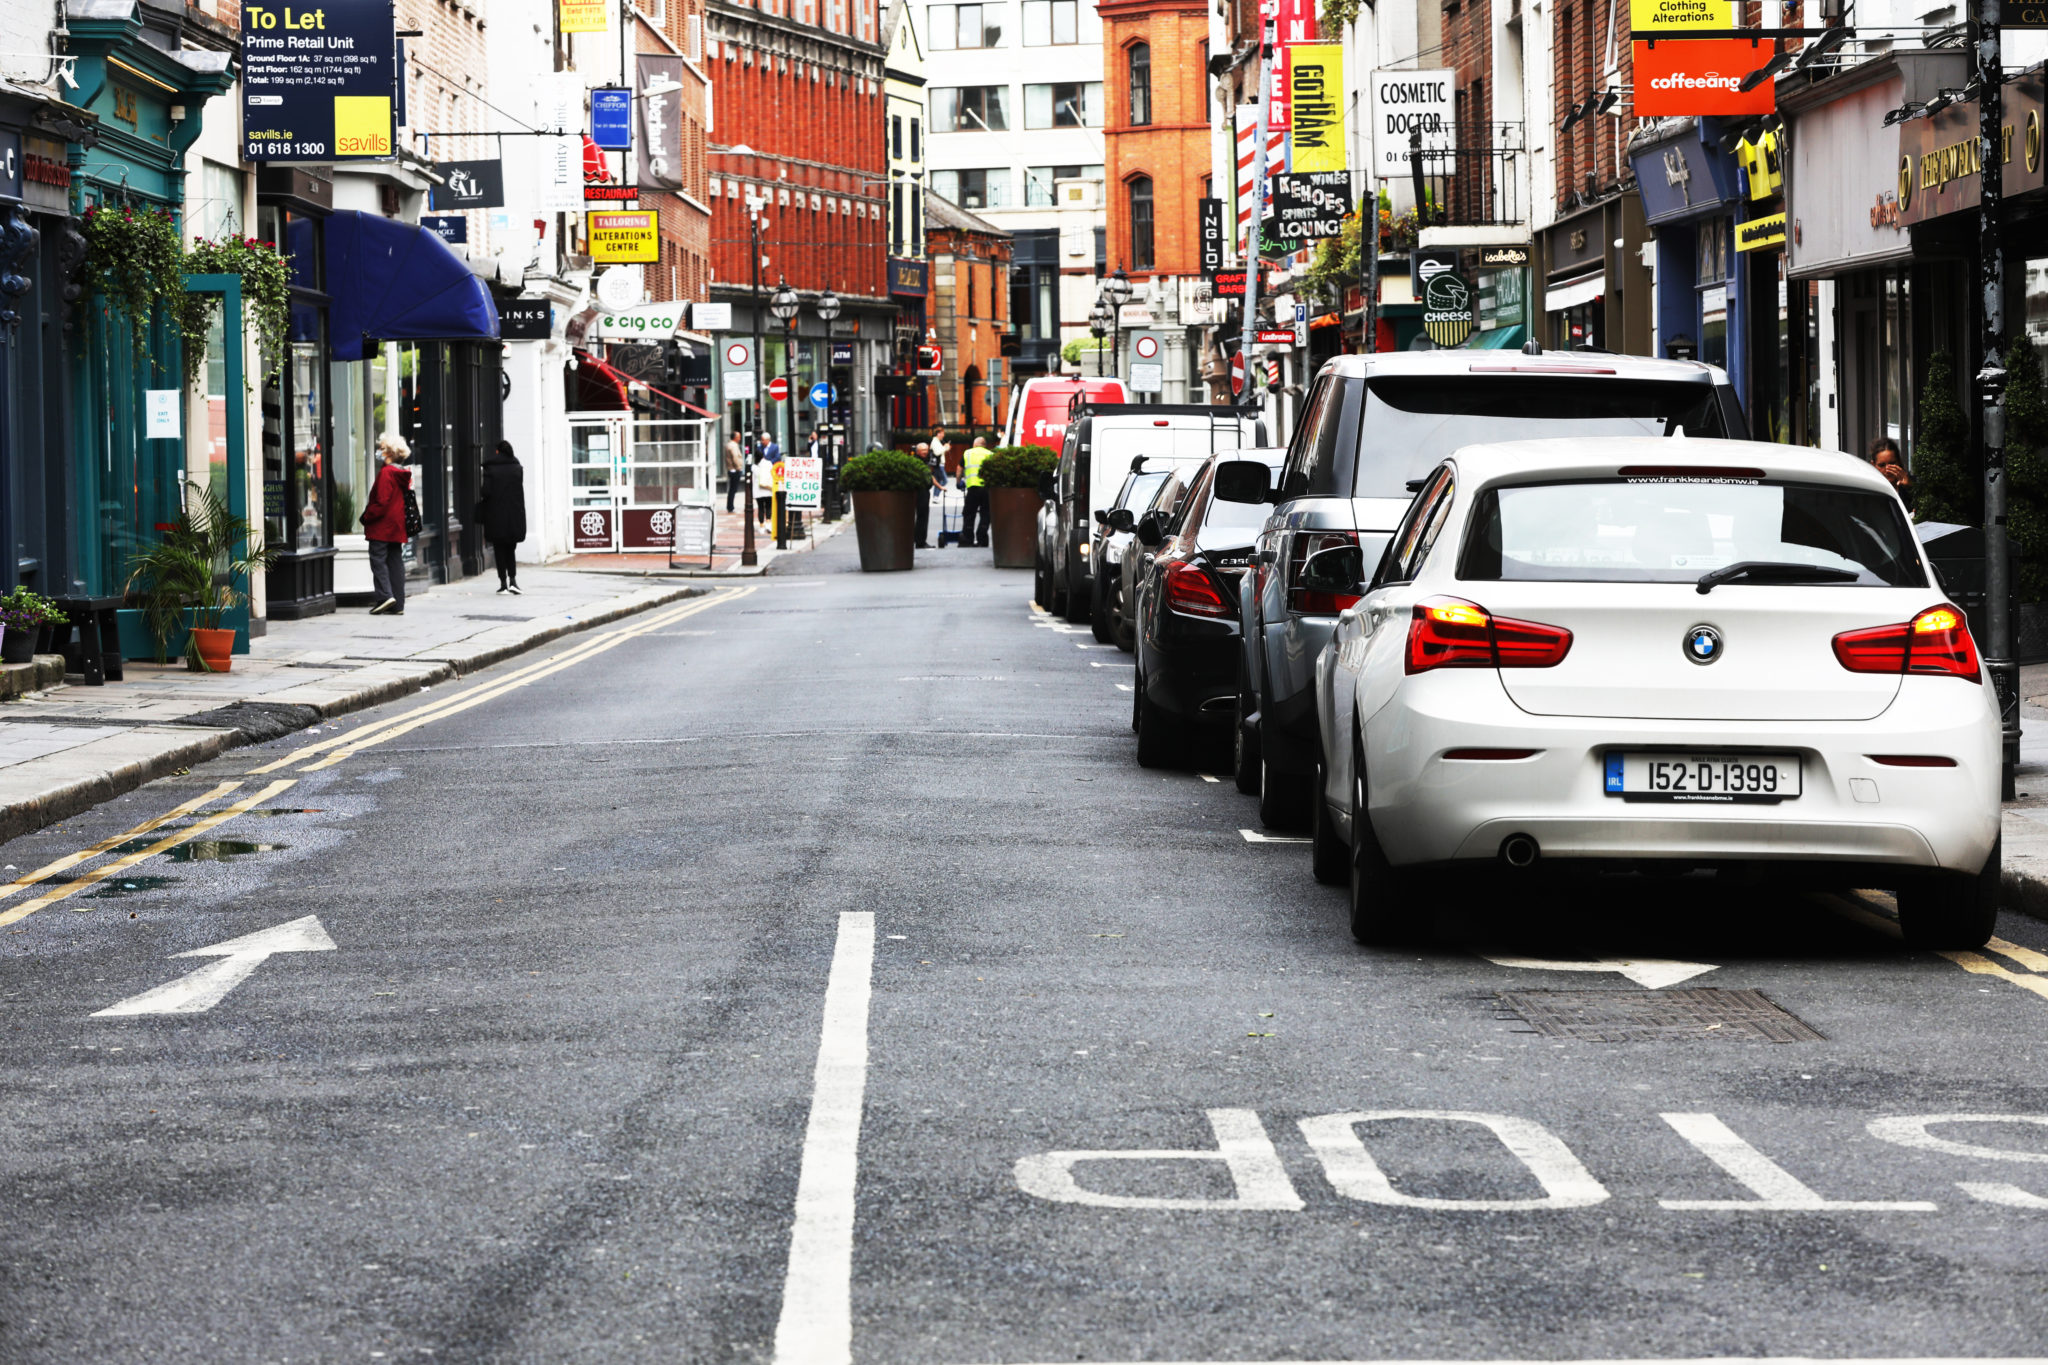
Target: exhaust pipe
x,y
1519,851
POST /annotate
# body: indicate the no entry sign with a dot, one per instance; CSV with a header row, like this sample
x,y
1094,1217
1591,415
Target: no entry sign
x,y
778,389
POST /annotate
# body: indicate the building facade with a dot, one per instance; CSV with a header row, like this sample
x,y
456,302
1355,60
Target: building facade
x,y
970,306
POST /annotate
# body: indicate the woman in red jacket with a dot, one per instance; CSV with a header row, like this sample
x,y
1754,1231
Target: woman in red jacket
x,y
384,524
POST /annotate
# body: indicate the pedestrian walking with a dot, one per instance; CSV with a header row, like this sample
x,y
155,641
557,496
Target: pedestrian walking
x,y
943,449
765,455
735,468
502,513
389,520
974,516
924,504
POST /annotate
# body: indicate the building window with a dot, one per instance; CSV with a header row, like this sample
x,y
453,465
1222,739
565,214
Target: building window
x,y
1047,22
896,218
1039,180
1713,266
915,154
896,136
1070,104
1140,194
966,26
971,108
985,189
1139,63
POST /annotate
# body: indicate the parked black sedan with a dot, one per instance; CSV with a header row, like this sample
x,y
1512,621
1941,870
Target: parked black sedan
x,y
1187,610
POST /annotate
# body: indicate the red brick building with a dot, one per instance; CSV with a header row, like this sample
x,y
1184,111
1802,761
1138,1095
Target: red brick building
x,y
1155,55
970,312
675,51
797,124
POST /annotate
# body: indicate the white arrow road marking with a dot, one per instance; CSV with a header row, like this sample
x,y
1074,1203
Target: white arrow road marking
x,y
205,988
1654,973
1252,836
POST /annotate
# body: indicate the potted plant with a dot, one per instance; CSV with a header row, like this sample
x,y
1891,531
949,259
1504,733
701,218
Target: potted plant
x,y
24,615
886,485
1013,475
186,581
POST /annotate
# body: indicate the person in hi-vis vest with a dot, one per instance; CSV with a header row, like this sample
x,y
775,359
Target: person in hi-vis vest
x,y
973,531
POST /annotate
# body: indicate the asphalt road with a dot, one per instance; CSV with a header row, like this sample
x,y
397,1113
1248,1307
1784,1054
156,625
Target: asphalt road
x,y
551,1093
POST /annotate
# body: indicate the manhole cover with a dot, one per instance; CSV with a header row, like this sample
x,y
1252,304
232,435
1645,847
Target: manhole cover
x,y
1646,1016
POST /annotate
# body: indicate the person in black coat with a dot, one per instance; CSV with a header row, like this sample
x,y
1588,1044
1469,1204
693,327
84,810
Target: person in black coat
x,y
502,512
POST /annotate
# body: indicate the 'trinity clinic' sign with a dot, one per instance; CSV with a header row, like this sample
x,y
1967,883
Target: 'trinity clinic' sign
x,y
316,83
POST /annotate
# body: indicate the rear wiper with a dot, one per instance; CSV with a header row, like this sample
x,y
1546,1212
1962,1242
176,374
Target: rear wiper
x,y
1772,571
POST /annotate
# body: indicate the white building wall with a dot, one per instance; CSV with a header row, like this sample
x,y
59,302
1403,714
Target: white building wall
x,y
25,27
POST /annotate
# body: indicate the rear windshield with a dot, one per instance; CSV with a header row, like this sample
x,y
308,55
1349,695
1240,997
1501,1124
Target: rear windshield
x,y
1615,531
1140,490
1411,423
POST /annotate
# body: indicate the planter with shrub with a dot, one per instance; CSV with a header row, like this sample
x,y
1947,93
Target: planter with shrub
x,y
1014,475
885,485
26,617
186,583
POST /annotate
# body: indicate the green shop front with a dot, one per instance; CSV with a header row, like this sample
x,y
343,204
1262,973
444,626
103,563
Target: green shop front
x,y
126,382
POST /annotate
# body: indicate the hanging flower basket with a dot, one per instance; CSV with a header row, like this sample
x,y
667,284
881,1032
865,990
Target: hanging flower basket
x,y
266,296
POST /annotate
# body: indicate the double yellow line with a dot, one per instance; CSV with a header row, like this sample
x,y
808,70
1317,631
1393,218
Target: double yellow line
x,y
2028,958
324,754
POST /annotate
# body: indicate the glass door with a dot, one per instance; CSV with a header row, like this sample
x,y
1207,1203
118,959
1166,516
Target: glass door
x,y
597,482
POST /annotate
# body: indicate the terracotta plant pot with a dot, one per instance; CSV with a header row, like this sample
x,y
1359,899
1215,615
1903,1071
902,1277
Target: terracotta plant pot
x,y
886,526
215,648
1013,519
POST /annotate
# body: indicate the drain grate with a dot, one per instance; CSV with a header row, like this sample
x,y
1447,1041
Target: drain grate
x,y
1650,1016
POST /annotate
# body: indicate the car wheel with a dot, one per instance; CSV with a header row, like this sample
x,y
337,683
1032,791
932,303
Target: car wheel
x,y
1952,910
1244,741
1098,616
1041,593
1329,857
1382,909
1281,798
1056,597
1077,608
1161,741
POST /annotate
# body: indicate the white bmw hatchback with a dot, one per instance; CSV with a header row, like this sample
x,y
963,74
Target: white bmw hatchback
x,y
1656,655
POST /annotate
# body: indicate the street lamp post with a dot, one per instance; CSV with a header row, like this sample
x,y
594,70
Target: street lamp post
x,y
783,304
828,311
748,556
1118,291
1098,327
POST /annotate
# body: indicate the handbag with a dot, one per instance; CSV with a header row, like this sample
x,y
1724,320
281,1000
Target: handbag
x,y
413,521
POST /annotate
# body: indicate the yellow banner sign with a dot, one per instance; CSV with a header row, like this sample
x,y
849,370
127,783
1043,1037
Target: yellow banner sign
x,y
1315,77
1647,17
585,16
1759,233
622,236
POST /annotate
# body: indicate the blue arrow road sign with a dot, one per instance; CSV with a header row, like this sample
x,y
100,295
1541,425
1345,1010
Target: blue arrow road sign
x,y
823,395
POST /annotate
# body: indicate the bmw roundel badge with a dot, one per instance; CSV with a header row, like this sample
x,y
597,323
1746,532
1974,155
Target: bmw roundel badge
x,y
1703,644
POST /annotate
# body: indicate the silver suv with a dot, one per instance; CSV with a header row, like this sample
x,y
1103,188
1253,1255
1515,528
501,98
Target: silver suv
x,y
1372,428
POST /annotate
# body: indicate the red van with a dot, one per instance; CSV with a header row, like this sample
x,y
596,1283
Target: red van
x,y
1038,411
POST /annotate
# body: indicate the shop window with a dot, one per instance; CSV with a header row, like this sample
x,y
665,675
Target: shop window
x,y
1713,252
1138,63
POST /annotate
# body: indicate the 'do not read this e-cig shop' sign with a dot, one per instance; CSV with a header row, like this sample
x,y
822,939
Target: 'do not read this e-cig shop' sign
x,y
317,82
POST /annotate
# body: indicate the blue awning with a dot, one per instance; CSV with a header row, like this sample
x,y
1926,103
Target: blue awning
x,y
393,281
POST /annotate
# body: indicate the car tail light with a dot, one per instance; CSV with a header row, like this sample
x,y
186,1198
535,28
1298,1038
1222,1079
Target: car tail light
x,y
1191,592
1307,545
1449,633
1936,641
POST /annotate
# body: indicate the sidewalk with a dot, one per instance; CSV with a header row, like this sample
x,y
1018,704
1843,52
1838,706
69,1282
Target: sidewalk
x,y
2026,819
70,747
725,564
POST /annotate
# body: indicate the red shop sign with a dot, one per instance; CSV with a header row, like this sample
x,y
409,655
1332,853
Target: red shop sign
x,y
1678,76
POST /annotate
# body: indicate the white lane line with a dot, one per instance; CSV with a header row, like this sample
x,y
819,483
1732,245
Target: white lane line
x,y
1694,1360
816,1327
1252,836
1124,687
1207,778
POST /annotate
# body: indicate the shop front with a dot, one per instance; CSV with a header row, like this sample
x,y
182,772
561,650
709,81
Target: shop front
x,y
1850,255
39,245
1691,195
1596,290
127,455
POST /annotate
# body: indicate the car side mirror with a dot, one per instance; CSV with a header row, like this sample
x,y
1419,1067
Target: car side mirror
x,y
1046,488
1101,517
1122,519
1150,534
1338,570
1242,481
